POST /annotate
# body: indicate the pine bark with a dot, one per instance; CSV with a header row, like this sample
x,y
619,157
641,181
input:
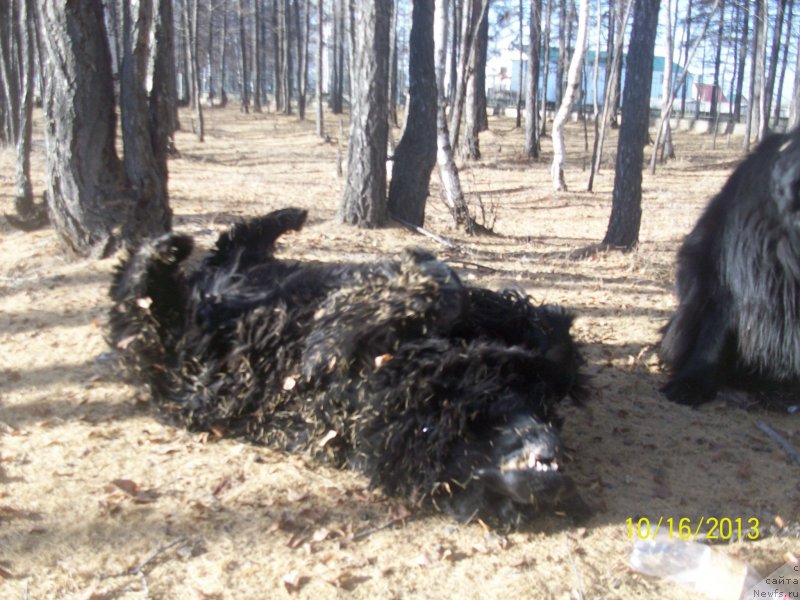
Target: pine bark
x,y
532,87
364,200
144,121
245,83
626,209
85,194
319,82
415,155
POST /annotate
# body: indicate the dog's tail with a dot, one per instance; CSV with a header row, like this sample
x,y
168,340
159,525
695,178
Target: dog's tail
x,y
253,242
149,316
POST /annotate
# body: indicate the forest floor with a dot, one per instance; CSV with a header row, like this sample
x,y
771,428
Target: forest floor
x,y
101,499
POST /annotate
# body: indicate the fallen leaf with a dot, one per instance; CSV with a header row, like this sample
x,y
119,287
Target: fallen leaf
x,y
138,495
127,486
321,534
293,581
327,438
347,580
296,496
221,487
144,303
382,360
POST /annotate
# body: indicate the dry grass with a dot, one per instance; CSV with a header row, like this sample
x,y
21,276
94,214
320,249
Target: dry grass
x,y
100,499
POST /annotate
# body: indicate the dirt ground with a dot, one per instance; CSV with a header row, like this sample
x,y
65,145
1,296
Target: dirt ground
x,y
101,499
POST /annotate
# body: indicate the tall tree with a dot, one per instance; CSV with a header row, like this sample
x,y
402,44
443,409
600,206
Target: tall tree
x,y
666,111
520,71
145,116
687,41
210,53
193,16
757,77
286,49
532,85
626,208
769,84
472,14
223,96
90,197
257,52
393,66
9,72
568,99
84,171
794,105
742,54
609,94
245,66
715,92
546,60
784,61
29,215
364,200
415,155
318,69
301,39
448,172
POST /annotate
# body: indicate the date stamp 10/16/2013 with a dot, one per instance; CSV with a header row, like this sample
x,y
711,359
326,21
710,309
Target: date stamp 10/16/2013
x,y
724,529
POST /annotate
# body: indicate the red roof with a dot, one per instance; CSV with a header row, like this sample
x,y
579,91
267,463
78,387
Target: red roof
x,y
704,91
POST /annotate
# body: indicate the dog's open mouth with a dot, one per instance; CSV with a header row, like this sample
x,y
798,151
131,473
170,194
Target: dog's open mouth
x,y
530,472
530,461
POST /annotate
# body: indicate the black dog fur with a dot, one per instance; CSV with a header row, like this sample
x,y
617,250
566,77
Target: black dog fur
x,y
738,283
439,392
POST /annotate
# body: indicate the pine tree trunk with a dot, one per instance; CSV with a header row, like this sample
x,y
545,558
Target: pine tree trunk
x,y
364,200
784,60
85,195
714,108
210,55
288,83
482,52
626,209
546,60
8,74
737,111
194,47
223,96
318,70
299,36
532,87
257,43
393,121
144,136
245,83
23,197
415,155
609,98
769,84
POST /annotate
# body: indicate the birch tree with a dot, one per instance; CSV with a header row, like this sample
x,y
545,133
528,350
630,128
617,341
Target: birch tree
x,y
564,110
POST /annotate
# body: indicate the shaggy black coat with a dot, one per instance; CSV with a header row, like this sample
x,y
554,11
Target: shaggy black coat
x,y
439,392
738,282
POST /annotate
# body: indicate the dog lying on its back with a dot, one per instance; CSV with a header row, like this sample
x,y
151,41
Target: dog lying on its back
x,y
439,392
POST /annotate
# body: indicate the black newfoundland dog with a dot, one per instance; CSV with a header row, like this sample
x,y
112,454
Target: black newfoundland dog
x,y
439,392
738,283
